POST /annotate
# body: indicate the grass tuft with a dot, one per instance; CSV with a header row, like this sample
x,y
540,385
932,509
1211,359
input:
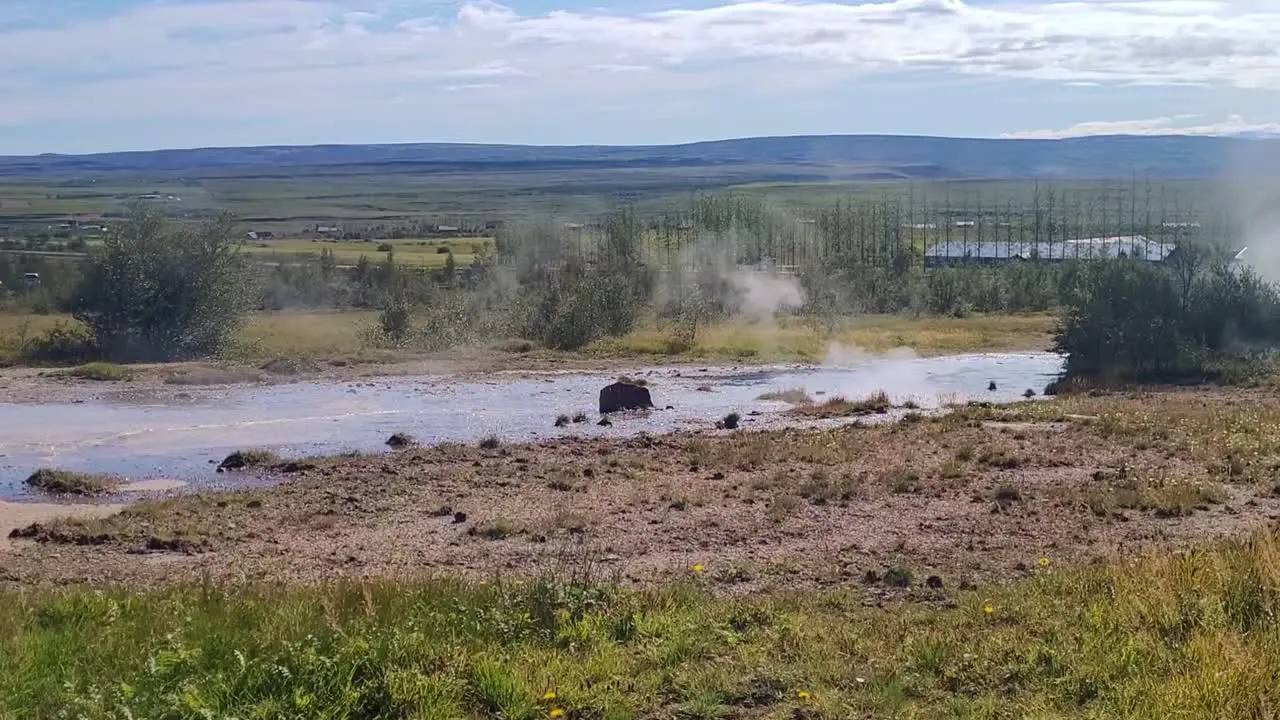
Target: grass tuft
x,y
795,396
100,372
248,459
68,482
876,403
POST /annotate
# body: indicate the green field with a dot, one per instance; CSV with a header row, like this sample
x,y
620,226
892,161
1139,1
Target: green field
x,y
359,200
412,252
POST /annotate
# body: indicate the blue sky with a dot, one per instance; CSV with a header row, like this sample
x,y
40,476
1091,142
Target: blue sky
x,y
97,75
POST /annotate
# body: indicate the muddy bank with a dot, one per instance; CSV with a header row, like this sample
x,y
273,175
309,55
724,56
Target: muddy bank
x,y
20,515
139,433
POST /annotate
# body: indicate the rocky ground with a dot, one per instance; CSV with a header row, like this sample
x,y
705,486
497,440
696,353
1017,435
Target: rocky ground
x,y
982,496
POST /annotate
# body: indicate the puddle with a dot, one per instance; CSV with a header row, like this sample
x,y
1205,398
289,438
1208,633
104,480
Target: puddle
x,y
161,436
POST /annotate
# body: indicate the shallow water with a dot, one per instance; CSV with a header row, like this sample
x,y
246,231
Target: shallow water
x,y
182,438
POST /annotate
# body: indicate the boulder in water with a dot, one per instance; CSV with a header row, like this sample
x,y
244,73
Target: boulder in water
x,y
624,396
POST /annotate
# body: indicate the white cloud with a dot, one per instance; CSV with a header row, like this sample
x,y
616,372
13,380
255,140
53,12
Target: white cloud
x,y
1175,125
238,58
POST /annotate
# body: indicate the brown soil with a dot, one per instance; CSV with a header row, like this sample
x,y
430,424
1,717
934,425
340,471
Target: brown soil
x,y
961,499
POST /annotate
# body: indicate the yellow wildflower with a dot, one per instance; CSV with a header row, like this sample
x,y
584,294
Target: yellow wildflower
x,y
1044,562
988,608
549,695
698,568
803,695
555,713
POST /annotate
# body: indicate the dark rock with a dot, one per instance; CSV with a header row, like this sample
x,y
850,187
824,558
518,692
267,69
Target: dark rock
x,y
1029,393
442,511
253,504
730,422
624,396
604,422
934,582
562,421
399,440
992,386
459,518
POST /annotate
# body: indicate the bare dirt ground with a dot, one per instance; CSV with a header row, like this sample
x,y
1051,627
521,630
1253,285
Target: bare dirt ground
x,y
968,498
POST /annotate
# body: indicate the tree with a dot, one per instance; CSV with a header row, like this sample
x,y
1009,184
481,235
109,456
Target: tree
x,y
157,292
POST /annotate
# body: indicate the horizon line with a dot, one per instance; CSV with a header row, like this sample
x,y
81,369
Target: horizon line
x,y
266,146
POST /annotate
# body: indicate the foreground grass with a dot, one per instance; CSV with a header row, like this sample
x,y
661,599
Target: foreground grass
x,y
1174,635
342,334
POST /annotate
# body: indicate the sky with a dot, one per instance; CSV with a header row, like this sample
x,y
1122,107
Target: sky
x,y
102,75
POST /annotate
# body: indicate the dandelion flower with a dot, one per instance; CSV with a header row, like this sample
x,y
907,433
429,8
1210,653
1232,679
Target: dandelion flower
x,y
803,695
988,608
549,695
699,568
555,713
1044,562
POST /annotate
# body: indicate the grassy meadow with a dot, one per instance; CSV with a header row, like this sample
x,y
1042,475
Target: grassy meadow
x,y
327,335
1184,635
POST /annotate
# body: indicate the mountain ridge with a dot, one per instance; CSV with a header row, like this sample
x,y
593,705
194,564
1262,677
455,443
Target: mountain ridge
x,y
830,157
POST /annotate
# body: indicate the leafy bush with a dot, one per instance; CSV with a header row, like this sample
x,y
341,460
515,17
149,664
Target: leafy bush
x,y
153,292
1128,320
62,343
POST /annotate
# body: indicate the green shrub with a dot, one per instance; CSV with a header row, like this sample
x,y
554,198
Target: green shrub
x,y
1128,320
152,292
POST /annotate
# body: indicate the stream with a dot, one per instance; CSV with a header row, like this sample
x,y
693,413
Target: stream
x,y
182,435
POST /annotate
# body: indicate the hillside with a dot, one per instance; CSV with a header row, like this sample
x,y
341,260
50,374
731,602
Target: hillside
x,y
791,159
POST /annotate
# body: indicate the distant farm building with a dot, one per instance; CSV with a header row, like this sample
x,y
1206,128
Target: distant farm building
x,y
960,252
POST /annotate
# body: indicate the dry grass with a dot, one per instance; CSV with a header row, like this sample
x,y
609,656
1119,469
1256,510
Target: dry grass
x,y
99,372
838,407
795,339
202,375
794,396
340,335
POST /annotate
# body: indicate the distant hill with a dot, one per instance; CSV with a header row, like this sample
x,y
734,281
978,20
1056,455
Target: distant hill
x,y
800,158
